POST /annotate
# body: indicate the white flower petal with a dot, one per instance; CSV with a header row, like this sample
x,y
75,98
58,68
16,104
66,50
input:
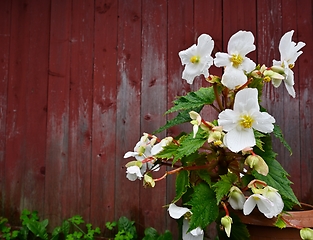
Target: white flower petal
x,y
228,119
222,59
205,44
249,205
248,65
233,77
177,212
189,235
236,140
133,173
130,154
264,122
241,43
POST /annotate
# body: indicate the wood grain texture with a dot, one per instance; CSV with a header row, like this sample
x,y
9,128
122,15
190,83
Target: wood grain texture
x,y
57,153
128,99
104,113
5,33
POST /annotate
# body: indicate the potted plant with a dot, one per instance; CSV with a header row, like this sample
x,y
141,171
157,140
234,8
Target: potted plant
x,y
225,168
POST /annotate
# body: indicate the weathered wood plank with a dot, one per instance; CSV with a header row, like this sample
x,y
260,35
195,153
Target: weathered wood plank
x,y
5,16
104,126
303,32
291,106
128,103
180,36
26,97
154,101
57,152
80,110
36,105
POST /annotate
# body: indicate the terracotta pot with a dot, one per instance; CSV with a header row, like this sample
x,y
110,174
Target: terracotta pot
x,y
261,228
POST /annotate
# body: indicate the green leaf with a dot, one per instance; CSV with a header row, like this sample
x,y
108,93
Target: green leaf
x,y
150,234
204,175
279,134
277,176
189,145
76,219
167,235
182,117
203,206
128,226
110,225
182,184
280,223
223,186
168,151
192,100
38,228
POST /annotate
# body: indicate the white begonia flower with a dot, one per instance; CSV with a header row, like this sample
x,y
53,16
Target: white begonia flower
x,y
240,122
176,213
196,121
133,173
264,205
142,149
236,198
157,148
289,52
235,61
197,59
273,195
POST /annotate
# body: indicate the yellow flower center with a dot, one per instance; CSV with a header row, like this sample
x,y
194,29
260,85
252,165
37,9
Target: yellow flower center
x,y
246,121
195,59
267,79
236,60
291,66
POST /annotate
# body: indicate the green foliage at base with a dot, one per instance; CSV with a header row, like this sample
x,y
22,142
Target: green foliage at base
x,y
74,228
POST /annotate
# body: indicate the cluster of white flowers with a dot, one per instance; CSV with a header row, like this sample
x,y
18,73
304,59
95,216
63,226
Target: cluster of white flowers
x,y
236,124
144,152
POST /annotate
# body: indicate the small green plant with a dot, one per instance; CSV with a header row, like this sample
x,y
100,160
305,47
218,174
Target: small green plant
x,y
31,226
6,231
74,228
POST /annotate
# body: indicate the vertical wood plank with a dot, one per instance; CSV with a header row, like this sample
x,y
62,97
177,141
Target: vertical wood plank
x,y
303,76
128,103
291,105
180,37
154,99
238,15
27,97
5,16
36,105
15,147
57,154
104,113
80,106
269,34
209,19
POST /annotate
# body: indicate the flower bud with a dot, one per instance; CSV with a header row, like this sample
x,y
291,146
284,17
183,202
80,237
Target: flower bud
x,y
236,198
213,79
226,222
306,233
148,181
256,162
278,69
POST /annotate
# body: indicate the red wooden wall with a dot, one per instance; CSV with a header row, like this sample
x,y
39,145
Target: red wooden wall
x,y
81,80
